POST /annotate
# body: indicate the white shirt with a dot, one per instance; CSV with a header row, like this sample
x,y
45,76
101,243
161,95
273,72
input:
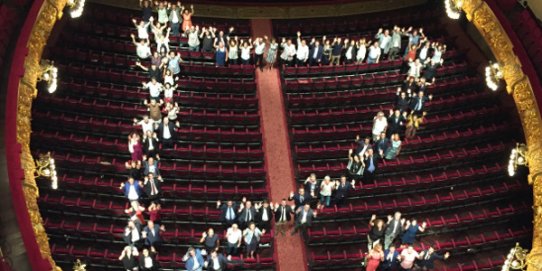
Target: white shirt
x,y
415,69
168,92
245,53
147,126
166,134
148,262
216,264
423,53
384,41
154,89
304,217
259,48
288,51
265,216
362,51
349,52
302,52
142,32
143,51
193,39
325,189
175,19
132,194
379,125
374,52
233,236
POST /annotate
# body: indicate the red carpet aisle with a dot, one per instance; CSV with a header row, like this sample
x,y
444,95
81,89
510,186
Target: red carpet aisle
x,y
289,250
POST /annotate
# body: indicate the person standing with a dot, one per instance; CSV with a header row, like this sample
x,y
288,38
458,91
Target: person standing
x,y
233,237
393,229
408,257
193,260
210,241
272,53
187,17
428,258
374,257
376,232
252,236
391,259
283,215
216,262
303,221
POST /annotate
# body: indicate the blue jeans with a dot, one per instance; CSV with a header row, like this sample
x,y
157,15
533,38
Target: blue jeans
x,y
175,29
371,60
326,200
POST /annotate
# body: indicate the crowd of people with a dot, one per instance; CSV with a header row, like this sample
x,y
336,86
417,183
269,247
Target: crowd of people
x,y
246,222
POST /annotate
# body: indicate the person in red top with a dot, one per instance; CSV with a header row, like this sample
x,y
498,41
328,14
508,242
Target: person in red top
x,y
154,212
375,256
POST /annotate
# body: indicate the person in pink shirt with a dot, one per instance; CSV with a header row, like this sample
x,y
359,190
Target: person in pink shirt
x,y
408,256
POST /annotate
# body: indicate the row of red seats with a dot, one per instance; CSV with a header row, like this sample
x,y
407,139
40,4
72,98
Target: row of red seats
x,y
331,258
191,169
171,188
122,61
182,97
180,150
82,124
367,80
322,150
337,232
186,115
173,260
336,168
377,93
327,70
352,24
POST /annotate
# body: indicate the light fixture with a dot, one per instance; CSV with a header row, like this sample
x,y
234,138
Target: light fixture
x,y
518,157
45,167
76,7
516,259
49,74
453,8
493,76
79,266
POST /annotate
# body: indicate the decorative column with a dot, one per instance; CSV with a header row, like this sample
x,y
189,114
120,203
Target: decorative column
x,y
519,86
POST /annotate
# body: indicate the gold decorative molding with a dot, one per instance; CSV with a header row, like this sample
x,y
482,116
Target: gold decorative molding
x,y
281,11
50,13
519,86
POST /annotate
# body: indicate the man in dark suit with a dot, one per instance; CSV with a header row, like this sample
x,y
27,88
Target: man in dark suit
x,y
371,165
417,103
303,221
246,214
315,53
264,215
152,187
381,145
393,229
403,101
312,187
428,257
396,122
342,190
228,214
150,166
151,234
150,145
216,262
283,215
166,133
300,198
391,259
363,145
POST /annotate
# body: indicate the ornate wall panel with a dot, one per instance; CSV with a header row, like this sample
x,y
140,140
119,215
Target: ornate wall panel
x,y
50,12
519,86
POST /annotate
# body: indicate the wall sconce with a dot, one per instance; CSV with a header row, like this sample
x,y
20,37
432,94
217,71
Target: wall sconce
x,y
76,7
453,8
49,74
45,167
518,157
493,76
516,259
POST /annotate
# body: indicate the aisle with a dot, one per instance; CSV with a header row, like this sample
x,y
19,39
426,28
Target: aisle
x,y
289,250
